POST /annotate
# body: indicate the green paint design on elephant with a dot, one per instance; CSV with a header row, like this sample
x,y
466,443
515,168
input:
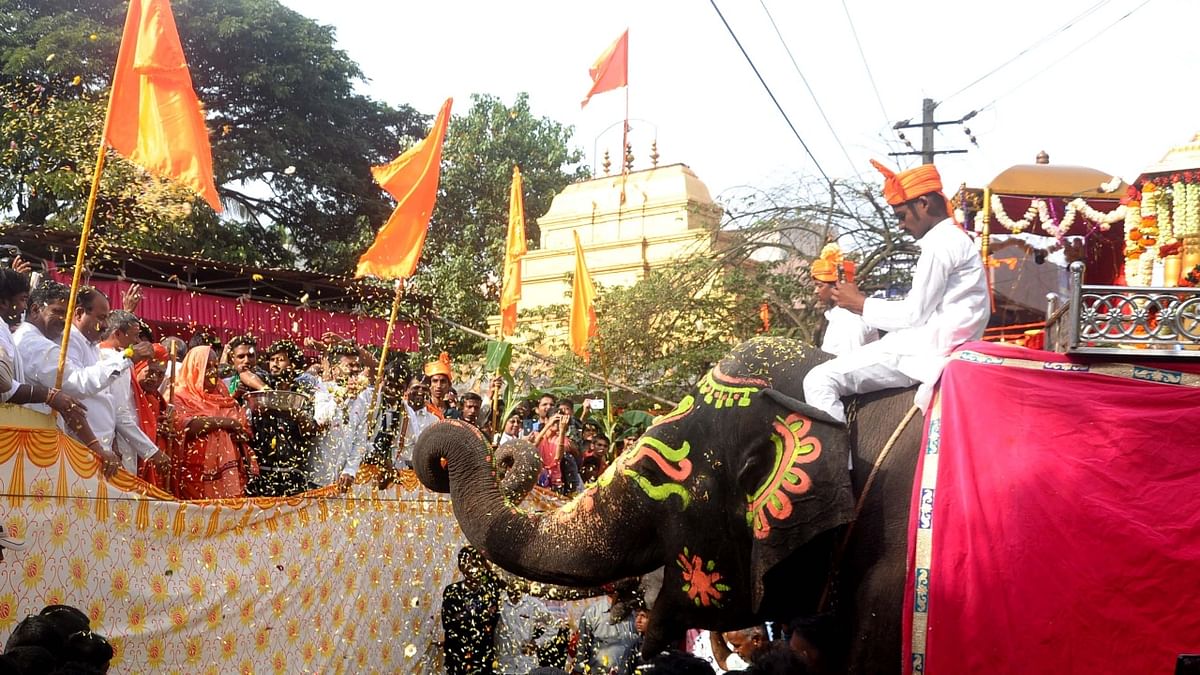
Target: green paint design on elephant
x,y
681,410
673,462
723,391
793,447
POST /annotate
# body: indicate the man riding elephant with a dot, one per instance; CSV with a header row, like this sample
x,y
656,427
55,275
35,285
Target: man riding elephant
x,y
947,306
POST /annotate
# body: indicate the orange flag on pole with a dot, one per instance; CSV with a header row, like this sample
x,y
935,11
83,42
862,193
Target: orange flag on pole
x,y
412,179
514,250
611,70
583,309
154,118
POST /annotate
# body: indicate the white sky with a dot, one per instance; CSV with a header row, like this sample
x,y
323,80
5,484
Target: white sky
x,y
1114,101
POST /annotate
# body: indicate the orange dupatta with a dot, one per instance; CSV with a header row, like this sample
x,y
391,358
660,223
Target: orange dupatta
x,y
210,467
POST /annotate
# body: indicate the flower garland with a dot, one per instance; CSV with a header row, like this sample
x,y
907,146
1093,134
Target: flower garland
x,y
1187,220
1133,246
1040,211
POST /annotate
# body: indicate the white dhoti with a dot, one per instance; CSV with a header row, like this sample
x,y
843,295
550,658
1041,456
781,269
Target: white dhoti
x,y
866,369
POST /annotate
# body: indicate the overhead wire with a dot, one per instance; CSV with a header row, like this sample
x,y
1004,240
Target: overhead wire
x,y
863,55
1052,34
1081,45
807,86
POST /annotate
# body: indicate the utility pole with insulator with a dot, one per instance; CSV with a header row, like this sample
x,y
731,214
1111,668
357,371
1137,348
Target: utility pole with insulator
x,y
928,125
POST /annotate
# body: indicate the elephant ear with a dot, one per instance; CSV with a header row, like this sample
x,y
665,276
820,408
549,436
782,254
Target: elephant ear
x,y
797,487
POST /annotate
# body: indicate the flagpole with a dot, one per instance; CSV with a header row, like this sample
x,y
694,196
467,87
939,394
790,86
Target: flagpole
x,y
79,258
377,392
608,416
625,144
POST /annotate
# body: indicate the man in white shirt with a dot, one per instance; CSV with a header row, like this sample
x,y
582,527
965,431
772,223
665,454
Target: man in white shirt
x,y
418,419
121,331
845,331
86,375
340,409
947,306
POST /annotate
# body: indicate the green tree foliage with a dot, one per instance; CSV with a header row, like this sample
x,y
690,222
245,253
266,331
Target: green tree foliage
x,y
292,141
464,252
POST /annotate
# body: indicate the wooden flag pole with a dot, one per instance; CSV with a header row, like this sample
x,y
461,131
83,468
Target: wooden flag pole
x,y
377,392
79,258
608,416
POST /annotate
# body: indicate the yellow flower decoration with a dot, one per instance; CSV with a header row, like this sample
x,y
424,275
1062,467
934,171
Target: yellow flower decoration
x,y
338,615
275,549
193,649
232,582
39,492
242,552
174,556
229,645
120,583
293,630
247,612
154,653
179,617
196,587
96,612
59,529
306,597
279,662
79,500
137,552
278,605
15,525
261,639
263,579
79,572
213,617
56,596
325,646
308,652
137,618
122,516
8,611
208,556
158,588
100,544
33,570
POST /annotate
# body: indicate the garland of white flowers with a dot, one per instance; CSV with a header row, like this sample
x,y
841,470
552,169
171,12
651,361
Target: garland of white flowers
x,y
1039,210
1133,250
1187,211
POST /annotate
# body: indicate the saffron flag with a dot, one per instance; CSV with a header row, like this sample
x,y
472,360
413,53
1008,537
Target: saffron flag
x,y
514,250
412,179
611,70
583,309
154,118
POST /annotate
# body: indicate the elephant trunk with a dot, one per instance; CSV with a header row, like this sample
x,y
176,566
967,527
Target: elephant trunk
x,y
602,535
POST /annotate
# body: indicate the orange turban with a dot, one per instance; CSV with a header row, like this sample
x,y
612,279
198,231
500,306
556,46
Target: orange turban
x,y
825,267
908,185
439,367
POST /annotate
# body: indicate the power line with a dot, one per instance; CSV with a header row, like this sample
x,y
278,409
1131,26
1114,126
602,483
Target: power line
x,y
863,55
1060,59
811,93
1054,33
769,93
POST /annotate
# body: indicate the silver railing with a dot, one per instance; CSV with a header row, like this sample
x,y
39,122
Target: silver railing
x,y
1124,320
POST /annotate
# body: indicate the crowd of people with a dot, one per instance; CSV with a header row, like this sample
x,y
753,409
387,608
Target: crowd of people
x,y
493,628
202,419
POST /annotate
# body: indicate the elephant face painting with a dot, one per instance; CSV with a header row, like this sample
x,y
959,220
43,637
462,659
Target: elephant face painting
x,y
739,493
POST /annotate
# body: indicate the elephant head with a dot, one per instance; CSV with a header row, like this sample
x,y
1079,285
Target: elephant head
x,y
740,480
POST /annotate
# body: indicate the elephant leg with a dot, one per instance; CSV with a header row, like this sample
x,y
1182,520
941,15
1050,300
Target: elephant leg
x,y
879,605
664,631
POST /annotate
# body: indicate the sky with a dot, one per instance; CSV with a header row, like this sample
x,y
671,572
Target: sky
x,y
1091,88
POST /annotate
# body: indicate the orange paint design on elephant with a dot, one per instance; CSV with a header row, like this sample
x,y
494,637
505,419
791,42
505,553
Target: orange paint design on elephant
x,y
700,580
792,448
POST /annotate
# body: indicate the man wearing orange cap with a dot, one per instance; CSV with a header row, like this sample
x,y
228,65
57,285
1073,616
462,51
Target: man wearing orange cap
x,y
440,378
947,306
845,331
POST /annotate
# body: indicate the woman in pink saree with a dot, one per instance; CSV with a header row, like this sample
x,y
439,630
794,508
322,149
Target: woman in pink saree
x,y
215,457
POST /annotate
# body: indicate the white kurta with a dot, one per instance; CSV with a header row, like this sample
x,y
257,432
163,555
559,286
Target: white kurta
x,y
340,447
947,306
132,442
10,352
87,376
846,332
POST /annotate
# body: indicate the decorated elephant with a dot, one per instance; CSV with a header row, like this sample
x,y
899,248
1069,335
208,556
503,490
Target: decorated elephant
x,y
742,492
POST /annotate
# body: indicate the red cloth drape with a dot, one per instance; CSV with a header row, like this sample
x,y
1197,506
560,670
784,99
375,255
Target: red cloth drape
x,y
184,312
1063,518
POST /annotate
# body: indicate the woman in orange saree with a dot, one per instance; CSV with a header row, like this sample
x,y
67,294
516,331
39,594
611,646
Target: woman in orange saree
x,y
214,430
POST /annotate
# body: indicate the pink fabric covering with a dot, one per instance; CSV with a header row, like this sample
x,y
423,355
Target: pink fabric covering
x,y
1061,507
186,312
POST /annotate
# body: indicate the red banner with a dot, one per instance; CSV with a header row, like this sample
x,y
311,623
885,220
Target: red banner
x,y
183,313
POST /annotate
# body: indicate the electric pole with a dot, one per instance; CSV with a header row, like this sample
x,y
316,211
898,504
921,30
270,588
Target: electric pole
x,y
928,125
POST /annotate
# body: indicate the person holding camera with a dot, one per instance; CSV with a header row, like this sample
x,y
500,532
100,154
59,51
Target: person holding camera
x,y
559,456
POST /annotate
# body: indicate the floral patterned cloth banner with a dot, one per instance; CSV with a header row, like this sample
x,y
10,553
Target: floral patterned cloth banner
x,y
322,582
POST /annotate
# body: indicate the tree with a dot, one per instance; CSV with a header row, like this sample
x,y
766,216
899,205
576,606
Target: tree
x,y
464,251
292,141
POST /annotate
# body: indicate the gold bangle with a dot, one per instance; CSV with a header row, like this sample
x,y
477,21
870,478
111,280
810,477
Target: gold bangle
x,y
50,394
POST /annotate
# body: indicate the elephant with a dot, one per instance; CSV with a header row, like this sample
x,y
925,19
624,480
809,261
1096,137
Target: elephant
x,y
742,494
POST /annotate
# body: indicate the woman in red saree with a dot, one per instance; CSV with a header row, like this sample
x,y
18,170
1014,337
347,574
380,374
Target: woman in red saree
x,y
209,465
